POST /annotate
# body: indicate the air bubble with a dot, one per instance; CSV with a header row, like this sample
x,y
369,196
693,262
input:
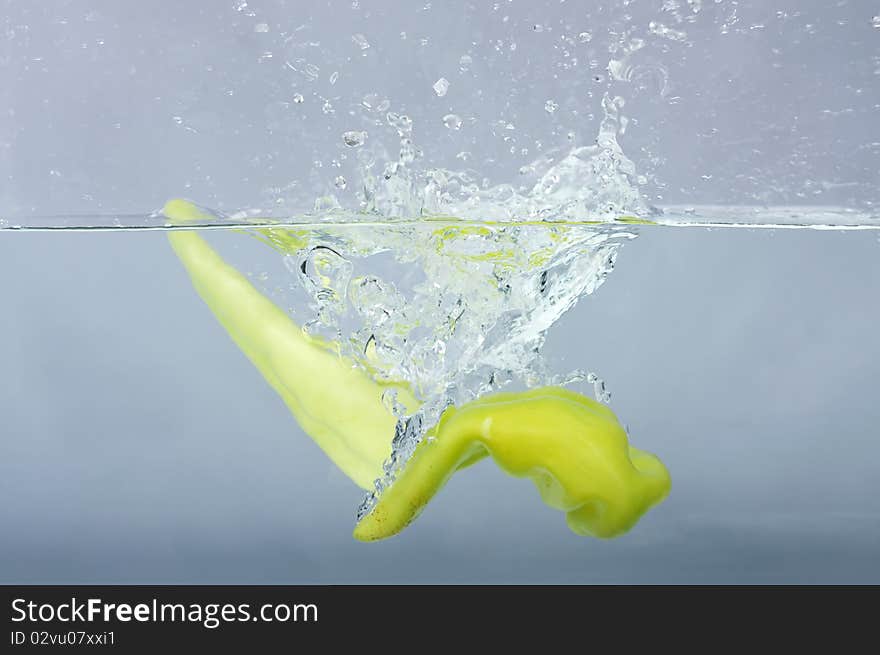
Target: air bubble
x,y
452,121
400,122
340,183
298,98
441,86
600,392
666,32
551,106
360,41
309,71
375,102
354,139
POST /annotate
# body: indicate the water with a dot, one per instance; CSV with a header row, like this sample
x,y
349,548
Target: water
x,y
745,358
465,308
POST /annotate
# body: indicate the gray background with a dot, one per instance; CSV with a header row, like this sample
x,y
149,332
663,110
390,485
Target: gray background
x,y
138,445
109,106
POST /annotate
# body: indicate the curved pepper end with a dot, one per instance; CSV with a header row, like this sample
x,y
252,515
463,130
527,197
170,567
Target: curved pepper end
x,y
572,448
606,520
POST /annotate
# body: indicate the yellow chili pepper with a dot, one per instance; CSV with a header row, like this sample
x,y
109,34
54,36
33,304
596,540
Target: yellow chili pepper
x,y
572,447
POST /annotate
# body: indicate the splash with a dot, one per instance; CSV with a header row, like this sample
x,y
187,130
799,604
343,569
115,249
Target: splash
x,y
460,308
586,183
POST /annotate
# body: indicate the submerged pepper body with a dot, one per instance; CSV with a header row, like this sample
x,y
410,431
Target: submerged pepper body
x,y
572,448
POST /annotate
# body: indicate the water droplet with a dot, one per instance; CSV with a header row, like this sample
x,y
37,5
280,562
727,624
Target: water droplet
x,y
298,98
324,204
876,22
375,102
585,37
538,28
360,41
261,27
464,63
311,71
340,183
389,399
600,392
327,107
334,76
452,121
354,139
441,86
666,32
550,106
177,119
241,5
400,122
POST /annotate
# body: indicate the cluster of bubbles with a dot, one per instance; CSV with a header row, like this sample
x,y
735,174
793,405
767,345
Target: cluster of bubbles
x,y
451,309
